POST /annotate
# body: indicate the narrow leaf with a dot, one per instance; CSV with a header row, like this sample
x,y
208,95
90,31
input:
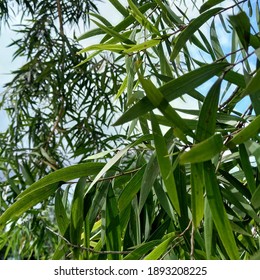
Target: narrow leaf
x,y
247,168
60,213
158,101
209,4
246,133
46,186
113,231
113,160
218,211
76,218
208,114
142,46
203,151
187,33
119,7
174,89
197,193
142,19
159,250
241,24
165,164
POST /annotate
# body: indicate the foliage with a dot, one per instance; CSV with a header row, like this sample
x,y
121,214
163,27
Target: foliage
x,y
178,182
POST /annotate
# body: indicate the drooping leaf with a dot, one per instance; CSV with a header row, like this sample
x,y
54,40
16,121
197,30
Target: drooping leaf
x,y
157,99
218,211
113,230
76,217
197,193
193,26
165,164
60,213
142,46
208,113
142,19
119,7
119,154
241,24
247,168
45,187
209,4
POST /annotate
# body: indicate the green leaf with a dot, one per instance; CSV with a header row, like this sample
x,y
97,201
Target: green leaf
x,y
142,19
46,186
188,32
203,151
165,164
119,7
218,211
76,217
215,42
60,213
256,198
197,193
142,46
181,85
119,154
158,101
253,90
209,4
247,168
208,114
241,24
26,202
113,231
246,133
104,47
131,189
113,33
159,250
142,249
91,33
150,174
208,229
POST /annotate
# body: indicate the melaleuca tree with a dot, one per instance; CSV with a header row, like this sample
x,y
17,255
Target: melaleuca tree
x,y
186,187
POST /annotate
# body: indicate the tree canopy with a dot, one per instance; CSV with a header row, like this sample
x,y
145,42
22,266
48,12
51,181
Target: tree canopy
x,y
144,145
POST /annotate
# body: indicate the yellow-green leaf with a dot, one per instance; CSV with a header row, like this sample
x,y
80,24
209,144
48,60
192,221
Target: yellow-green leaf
x,y
143,46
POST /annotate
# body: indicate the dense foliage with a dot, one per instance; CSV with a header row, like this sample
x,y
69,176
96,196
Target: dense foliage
x,y
142,146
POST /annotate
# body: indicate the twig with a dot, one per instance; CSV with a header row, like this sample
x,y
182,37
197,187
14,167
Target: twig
x,y
60,17
87,249
177,237
192,242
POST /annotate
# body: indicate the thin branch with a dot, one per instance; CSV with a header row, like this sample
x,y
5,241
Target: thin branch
x,y
60,17
175,239
87,249
192,242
